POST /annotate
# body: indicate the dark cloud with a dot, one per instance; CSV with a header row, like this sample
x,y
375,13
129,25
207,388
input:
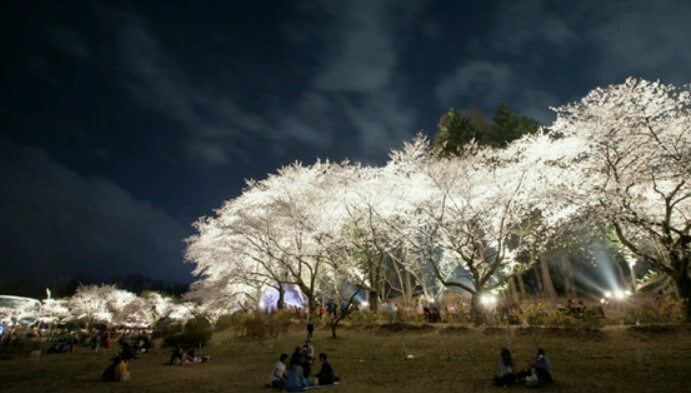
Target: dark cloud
x,y
59,223
490,83
531,45
69,41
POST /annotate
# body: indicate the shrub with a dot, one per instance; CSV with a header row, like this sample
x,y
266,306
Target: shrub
x,y
534,315
197,324
537,315
363,317
667,310
166,327
188,339
196,331
261,326
224,322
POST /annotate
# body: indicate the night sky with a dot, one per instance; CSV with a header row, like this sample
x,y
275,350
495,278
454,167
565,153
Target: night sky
x,y
121,123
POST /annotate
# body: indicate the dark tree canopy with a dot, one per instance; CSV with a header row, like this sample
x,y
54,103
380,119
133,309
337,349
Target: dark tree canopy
x,y
455,130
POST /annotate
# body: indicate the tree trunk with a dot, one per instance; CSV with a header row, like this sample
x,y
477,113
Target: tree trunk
x,y
538,279
281,296
567,273
513,292
620,271
373,301
476,310
409,290
632,271
312,304
547,285
682,283
521,287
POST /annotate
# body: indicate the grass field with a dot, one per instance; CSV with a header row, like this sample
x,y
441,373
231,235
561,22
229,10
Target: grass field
x,y
373,360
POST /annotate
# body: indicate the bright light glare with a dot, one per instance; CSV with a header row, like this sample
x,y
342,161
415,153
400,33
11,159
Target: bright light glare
x,y
488,300
364,304
617,294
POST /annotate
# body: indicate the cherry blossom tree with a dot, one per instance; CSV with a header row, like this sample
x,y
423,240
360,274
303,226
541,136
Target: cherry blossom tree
x,y
90,302
54,310
268,236
633,169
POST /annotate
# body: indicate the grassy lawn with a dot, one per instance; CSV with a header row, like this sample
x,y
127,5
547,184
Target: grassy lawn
x,y
373,360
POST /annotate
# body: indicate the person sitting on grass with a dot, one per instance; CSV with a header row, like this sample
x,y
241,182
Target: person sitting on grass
x,y
326,376
177,356
116,370
278,373
542,367
505,363
295,377
192,358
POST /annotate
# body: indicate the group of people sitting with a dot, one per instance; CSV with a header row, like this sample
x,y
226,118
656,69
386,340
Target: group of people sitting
x,y
182,358
297,374
539,372
573,309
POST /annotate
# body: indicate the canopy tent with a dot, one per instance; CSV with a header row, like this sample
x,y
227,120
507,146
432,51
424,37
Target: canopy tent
x,y
18,309
291,298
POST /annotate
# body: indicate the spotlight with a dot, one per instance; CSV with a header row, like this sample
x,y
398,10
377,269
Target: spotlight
x,y
619,294
488,300
608,294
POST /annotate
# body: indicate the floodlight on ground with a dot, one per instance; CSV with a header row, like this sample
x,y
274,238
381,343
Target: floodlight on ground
x,y
619,294
488,300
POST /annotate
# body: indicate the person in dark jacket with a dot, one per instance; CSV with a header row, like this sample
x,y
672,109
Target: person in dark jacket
x,y
326,376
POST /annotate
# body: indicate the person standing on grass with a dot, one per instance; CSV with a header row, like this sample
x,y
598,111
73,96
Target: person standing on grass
x,y
310,329
278,373
308,353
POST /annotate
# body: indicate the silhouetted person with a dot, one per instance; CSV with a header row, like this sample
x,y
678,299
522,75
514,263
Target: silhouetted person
x,y
542,366
310,329
325,376
505,364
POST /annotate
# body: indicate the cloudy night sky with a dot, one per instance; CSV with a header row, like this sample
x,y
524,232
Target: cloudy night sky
x,y
123,122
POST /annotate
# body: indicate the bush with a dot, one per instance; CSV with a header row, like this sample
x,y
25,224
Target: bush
x,y
363,317
196,331
197,324
664,311
224,322
402,326
534,315
166,327
187,339
262,326
537,315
